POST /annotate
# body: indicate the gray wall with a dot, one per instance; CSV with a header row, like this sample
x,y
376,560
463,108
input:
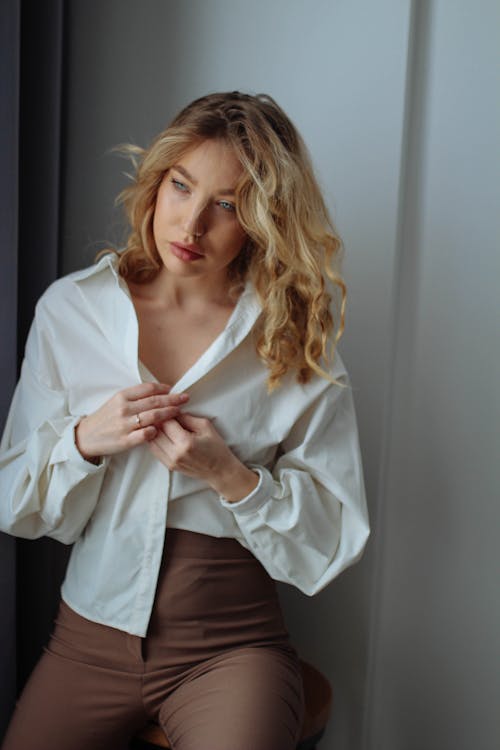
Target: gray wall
x,y
435,671
393,99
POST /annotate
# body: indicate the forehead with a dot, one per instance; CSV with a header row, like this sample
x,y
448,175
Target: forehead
x,y
214,161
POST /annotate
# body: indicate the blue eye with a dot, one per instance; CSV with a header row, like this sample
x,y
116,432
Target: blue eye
x,y
227,206
178,185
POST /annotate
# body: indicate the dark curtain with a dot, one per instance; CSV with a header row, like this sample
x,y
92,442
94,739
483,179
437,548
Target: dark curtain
x,y
9,87
31,59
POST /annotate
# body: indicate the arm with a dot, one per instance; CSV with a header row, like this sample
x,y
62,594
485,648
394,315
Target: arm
x,y
48,485
307,519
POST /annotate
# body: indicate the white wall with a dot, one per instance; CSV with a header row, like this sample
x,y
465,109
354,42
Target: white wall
x,y
394,105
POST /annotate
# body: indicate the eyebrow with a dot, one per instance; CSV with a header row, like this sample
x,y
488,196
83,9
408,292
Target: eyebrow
x,y
185,173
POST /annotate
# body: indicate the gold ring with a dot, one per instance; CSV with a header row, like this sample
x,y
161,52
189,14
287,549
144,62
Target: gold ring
x,y
138,419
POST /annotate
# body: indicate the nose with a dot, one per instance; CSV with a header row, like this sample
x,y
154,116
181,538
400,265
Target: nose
x,y
195,220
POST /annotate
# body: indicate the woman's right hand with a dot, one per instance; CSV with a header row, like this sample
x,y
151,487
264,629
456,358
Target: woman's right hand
x,y
129,418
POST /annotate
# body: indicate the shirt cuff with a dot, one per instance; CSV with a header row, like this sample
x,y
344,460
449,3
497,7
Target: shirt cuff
x,y
66,450
258,497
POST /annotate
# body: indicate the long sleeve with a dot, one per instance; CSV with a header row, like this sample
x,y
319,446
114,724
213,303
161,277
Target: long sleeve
x,y
46,486
307,519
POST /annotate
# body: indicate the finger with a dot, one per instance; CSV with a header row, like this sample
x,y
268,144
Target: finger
x,y
163,449
145,389
154,448
158,401
144,435
192,423
153,417
159,453
174,431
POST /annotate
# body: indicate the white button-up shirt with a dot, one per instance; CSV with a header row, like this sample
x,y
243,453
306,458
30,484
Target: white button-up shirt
x,y
305,521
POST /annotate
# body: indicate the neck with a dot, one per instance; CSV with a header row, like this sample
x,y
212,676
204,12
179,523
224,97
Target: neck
x,y
188,292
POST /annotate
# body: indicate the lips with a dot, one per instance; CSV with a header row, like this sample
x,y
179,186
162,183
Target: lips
x,y
186,252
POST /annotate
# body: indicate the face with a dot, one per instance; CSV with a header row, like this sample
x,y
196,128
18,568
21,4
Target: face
x,y
195,227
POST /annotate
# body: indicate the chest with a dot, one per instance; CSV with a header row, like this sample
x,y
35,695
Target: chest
x,y
230,388
171,343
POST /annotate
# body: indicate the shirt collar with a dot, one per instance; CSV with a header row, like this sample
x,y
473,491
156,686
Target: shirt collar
x,y
108,261
113,311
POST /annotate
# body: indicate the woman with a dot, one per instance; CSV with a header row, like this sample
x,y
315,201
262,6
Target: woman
x,y
178,418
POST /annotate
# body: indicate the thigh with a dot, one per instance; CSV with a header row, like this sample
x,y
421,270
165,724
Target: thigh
x,y
68,705
85,692
246,699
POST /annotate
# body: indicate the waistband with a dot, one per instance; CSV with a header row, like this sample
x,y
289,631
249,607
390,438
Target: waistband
x,y
192,544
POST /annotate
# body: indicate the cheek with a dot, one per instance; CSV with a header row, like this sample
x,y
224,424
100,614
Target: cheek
x,y
235,241
238,235
164,212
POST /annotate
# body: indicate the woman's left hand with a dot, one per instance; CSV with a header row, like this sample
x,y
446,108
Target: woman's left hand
x,y
193,446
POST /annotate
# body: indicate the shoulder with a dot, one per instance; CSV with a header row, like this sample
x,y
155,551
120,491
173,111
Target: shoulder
x,y
337,368
70,312
73,301
332,391
71,288
320,395
80,297
338,376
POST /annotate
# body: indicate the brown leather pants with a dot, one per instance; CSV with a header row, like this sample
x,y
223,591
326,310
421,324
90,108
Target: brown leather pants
x,y
216,668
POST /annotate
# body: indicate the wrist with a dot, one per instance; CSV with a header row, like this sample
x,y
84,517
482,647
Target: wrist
x,y
235,482
80,448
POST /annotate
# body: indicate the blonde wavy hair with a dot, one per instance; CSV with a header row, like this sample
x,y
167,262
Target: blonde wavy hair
x,y
292,246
